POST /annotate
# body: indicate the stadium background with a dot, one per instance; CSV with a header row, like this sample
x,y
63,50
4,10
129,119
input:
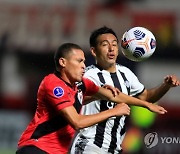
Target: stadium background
x,y
30,31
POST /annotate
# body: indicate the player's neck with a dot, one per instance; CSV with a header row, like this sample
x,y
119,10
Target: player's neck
x,y
110,68
65,78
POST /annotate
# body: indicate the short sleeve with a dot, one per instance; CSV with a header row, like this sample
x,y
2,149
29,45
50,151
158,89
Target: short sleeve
x,y
90,87
136,87
58,95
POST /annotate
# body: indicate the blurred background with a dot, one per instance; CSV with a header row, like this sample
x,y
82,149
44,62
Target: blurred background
x,y
30,32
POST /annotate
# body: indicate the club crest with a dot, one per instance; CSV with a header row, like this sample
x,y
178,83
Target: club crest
x,y
58,91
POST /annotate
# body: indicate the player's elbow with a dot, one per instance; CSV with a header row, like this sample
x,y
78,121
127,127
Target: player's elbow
x,y
77,126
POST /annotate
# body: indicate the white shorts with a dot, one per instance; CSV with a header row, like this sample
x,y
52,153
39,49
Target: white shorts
x,y
82,146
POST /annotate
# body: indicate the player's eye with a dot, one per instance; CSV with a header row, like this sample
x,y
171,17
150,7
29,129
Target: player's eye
x,y
81,60
114,44
104,44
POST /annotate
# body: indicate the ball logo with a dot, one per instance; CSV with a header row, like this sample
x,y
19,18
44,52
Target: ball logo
x,y
58,92
138,52
125,43
139,34
153,43
151,140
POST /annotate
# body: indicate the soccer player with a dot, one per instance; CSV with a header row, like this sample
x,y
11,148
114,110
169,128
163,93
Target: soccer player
x,y
59,101
56,117
107,136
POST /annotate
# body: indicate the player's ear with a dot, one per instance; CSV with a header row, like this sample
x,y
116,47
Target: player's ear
x,y
62,62
93,52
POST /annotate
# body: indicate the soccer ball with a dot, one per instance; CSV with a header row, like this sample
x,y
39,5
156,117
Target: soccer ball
x,y
138,44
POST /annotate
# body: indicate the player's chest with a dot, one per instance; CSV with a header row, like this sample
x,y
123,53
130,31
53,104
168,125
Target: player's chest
x,y
118,80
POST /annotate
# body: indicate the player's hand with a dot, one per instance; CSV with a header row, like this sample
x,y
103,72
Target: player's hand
x,y
115,91
172,80
156,108
122,109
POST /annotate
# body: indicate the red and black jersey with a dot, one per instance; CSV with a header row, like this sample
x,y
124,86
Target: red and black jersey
x,y
48,130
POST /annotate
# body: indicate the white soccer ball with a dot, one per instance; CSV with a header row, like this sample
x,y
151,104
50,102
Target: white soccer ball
x,y
138,44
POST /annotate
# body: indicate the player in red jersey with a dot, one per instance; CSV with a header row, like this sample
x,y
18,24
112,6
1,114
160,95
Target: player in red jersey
x,y
59,102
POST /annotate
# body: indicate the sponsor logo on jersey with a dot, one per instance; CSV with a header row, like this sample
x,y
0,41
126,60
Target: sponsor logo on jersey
x,y
58,91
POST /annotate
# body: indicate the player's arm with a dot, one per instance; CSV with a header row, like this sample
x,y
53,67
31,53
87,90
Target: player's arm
x,y
78,121
154,94
115,91
106,94
88,99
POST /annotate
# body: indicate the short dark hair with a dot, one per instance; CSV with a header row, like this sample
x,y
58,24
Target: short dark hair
x,y
94,35
63,51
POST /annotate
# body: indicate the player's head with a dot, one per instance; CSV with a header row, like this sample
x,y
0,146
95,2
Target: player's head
x,y
63,52
104,47
96,33
69,61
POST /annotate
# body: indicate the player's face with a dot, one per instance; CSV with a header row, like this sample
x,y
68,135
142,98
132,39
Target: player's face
x,y
106,51
74,66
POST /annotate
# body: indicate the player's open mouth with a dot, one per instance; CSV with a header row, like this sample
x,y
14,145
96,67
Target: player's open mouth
x,y
111,56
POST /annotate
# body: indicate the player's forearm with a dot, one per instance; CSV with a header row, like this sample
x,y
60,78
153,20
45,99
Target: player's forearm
x,y
120,98
78,121
137,102
129,100
88,99
155,94
123,98
89,120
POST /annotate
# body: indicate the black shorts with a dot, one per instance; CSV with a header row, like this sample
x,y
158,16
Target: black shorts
x,y
31,149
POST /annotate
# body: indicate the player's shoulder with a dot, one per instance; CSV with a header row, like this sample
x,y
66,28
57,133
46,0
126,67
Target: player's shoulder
x,y
91,68
126,71
51,80
122,68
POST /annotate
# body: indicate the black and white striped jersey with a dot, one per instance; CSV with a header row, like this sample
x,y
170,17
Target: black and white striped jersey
x,y
109,134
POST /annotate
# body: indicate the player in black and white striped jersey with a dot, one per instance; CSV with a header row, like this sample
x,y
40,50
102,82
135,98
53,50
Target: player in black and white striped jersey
x,y
106,137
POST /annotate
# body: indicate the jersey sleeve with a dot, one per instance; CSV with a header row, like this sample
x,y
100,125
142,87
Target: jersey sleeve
x,y
90,87
58,96
136,87
91,74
